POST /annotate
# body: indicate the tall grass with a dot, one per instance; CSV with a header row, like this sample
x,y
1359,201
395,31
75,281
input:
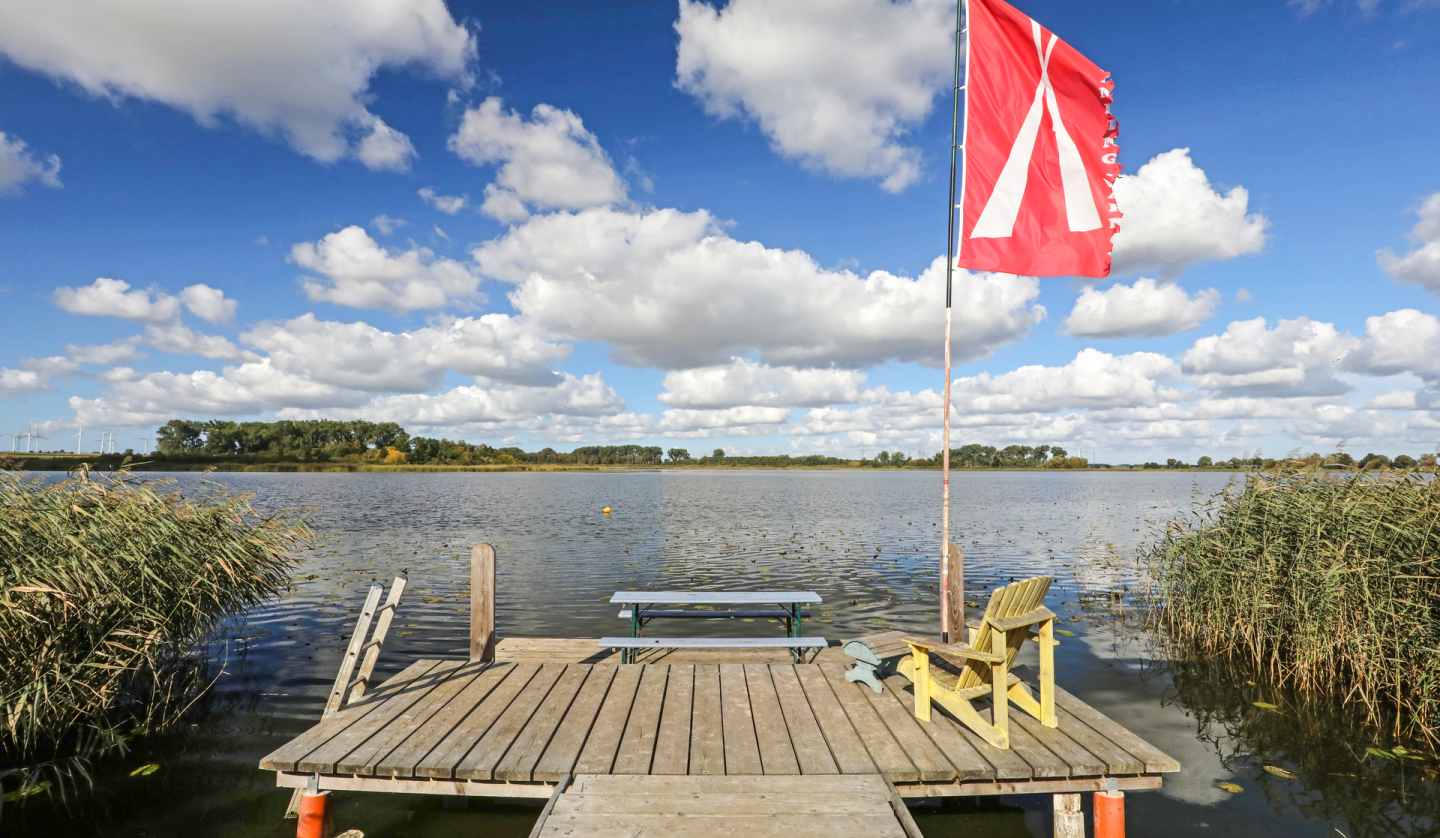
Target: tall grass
x,y
106,582
1326,582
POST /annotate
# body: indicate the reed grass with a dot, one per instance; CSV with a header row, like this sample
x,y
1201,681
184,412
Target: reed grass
x,y
106,584
1326,582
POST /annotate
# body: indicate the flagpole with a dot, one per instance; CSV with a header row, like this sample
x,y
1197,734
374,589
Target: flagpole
x,y
950,257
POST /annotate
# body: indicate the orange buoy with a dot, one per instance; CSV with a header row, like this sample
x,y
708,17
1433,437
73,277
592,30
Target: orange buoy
x,y
606,510
313,815
1109,814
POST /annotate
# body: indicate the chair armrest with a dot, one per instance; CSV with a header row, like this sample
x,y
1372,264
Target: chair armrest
x,y
930,644
1039,615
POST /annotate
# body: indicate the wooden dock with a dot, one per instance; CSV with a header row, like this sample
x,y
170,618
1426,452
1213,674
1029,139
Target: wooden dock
x,y
515,727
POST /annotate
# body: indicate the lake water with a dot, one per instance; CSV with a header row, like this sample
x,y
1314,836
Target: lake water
x,y
867,542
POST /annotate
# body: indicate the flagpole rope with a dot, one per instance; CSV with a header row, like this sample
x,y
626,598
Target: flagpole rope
x,y
950,256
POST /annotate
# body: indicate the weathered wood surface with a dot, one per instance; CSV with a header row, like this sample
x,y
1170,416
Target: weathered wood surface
x,y
713,597
532,722
482,602
586,650
718,806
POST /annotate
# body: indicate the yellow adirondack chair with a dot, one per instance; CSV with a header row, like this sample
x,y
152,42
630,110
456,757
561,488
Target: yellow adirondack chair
x,y
994,642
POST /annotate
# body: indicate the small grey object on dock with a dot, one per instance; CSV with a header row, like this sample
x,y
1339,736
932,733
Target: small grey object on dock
x,y
875,657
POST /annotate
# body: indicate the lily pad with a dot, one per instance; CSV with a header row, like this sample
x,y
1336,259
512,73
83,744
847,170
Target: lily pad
x,y
145,770
1263,705
1066,632
1233,788
1279,772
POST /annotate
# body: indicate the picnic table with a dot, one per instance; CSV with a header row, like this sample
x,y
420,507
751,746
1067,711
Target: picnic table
x,y
643,607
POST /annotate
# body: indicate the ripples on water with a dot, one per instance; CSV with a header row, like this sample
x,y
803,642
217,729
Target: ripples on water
x,y
867,542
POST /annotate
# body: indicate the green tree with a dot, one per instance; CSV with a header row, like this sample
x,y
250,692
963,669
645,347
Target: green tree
x,y
179,436
1204,462
719,454
678,455
1404,461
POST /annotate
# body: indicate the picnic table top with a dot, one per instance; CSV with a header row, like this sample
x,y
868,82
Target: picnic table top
x,y
711,597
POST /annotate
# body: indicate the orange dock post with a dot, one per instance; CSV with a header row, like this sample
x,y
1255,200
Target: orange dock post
x,y
1109,814
314,817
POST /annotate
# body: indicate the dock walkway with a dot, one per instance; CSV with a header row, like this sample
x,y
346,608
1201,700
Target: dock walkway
x,y
514,728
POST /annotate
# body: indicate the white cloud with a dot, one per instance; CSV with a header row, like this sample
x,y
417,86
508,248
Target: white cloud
x,y
387,225
448,204
106,353
1400,341
178,339
549,162
114,298
834,84
1174,219
1094,379
1144,309
14,381
494,405
1421,265
19,167
1296,358
298,70
744,382
669,289
361,274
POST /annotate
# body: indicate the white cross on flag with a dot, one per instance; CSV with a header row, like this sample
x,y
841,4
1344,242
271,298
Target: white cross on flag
x,y
1040,152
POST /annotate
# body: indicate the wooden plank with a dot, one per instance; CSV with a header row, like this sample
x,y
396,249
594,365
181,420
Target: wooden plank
x,y
900,718
519,762
713,643
1071,785
403,760
672,744
637,746
811,752
778,802
721,826
284,757
480,762
564,748
1156,761
836,784
742,753
323,758
1043,763
889,758
549,806
1082,763
598,755
450,750
411,785
1007,764
844,743
482,602
1117,760
712,597
707,738
362,760
958,750
777,756
902,813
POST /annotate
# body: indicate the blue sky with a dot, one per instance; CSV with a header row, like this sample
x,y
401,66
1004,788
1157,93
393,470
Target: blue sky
x,y
706,226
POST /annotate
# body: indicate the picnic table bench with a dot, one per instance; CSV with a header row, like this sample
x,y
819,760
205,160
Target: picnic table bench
x,y
642,608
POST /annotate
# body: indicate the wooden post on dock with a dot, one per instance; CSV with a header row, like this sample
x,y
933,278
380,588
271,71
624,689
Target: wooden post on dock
x,y
1069,820
954,597
482,603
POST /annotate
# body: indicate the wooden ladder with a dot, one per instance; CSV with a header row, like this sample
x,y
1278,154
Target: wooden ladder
x,y
349,686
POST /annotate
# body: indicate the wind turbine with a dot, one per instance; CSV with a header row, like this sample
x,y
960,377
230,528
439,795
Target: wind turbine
x,y
146,440
13,439
79,438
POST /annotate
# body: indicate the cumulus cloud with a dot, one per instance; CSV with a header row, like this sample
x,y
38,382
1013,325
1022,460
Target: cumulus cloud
x,y
387,225
1174,218
311,88
744,382
361,357
670,289
1422,264
1399,341
1145,308
834,84
15,381
115,352
493,405
19,167
549,161
1295,358
448,204
1094,379
359,273
114,298
178,339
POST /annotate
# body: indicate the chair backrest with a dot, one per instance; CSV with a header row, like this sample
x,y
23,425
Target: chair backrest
x,y
1011,600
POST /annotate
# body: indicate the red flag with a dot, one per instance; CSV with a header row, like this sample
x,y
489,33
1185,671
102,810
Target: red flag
x,y
1040,152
